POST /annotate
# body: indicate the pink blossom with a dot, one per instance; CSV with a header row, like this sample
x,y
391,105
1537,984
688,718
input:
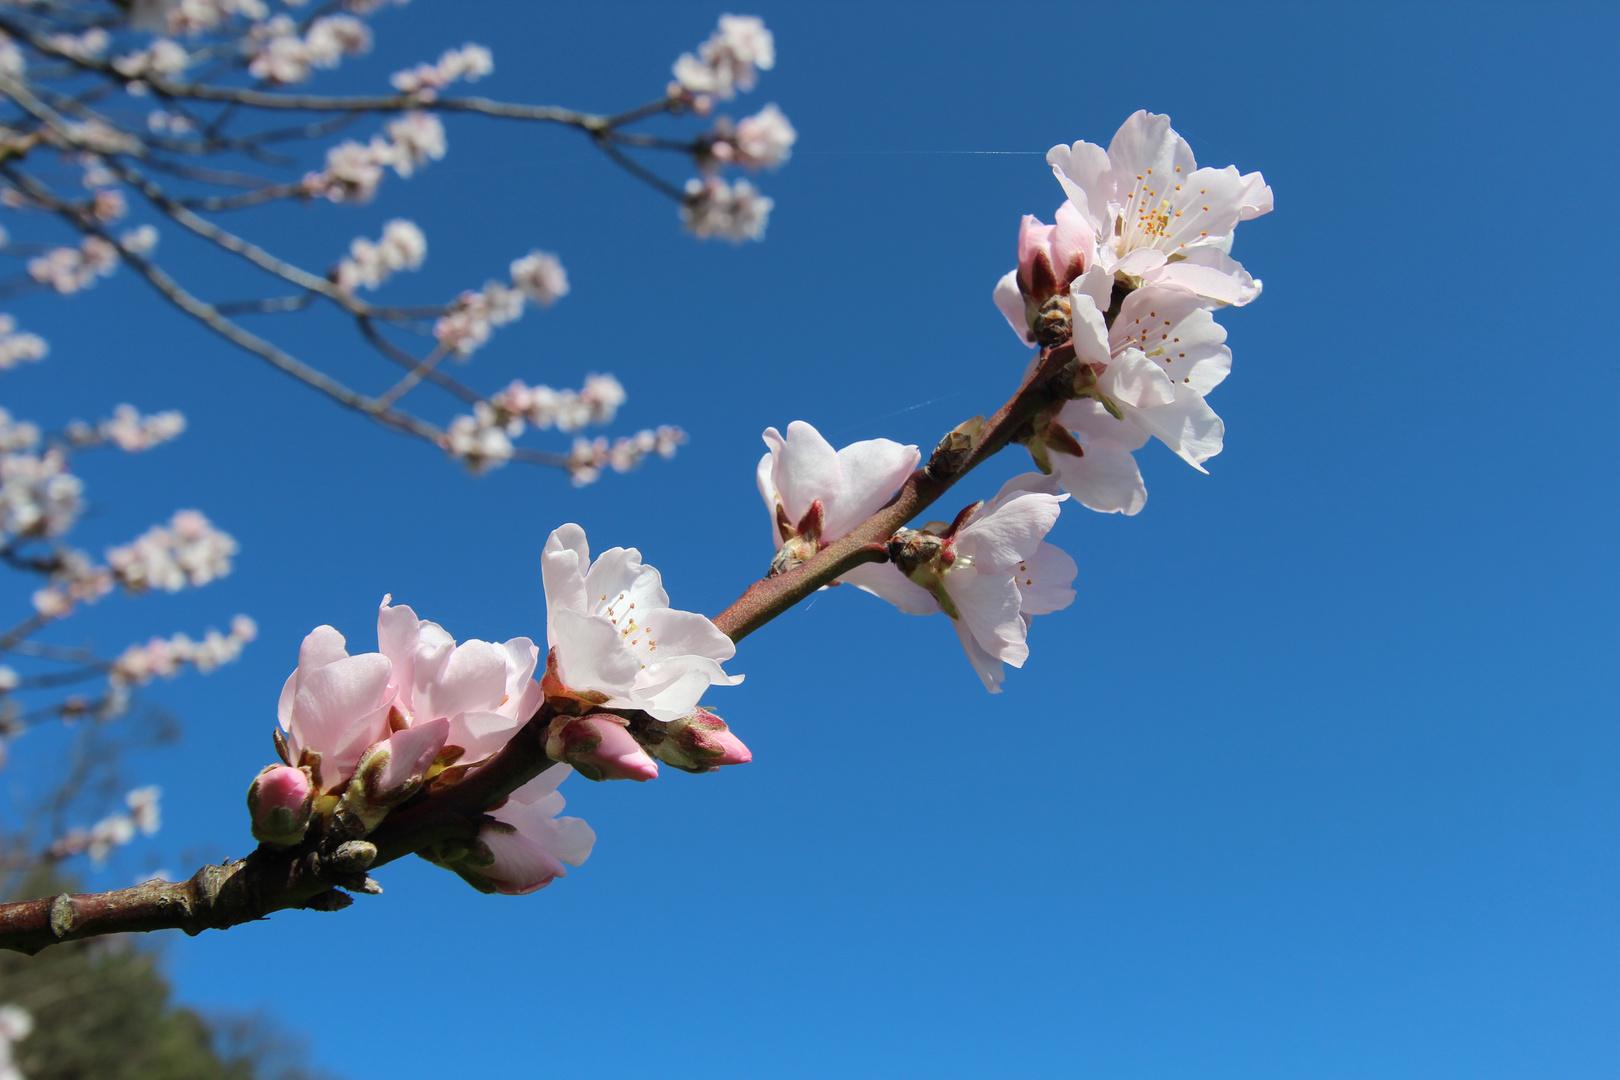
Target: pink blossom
x,y
402,247
599,747
334,707
589,457
188,551
18,348
529,844
485,691
615,640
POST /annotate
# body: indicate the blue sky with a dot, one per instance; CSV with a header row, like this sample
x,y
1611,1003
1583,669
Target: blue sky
x,y
1316,777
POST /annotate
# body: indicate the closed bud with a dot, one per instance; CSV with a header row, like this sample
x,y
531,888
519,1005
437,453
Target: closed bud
x,y
698,743
599,747
280,802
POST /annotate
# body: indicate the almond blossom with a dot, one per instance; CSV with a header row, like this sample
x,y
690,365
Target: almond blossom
x,y
485,690
334,707
816,494
1050,257
1163,354
528,844
727,62
991,571
616,642
736,212
1159,218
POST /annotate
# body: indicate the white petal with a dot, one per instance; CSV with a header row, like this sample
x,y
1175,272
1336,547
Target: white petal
x,y
1146,145
1096,283
591,655
619,578
1134,380
1206,209
1045,581
1211,272
1188,426
562,567
1087,178
806,470
687,633
1009,300
1090,421
1140,261
1090,327
1107,479
765,478
1176,334
990,604
396,639
1000,537
886,581
873,471
989,669
1256,196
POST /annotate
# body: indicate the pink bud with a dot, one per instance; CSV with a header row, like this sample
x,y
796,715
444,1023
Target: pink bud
x,y
1051,256
599,747
280,801
699,743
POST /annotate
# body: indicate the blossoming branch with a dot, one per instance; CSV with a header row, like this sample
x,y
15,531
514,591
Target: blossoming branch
x,y
456,751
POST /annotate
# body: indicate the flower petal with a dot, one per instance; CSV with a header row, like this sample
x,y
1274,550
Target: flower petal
x,y
807,470
1009,300
1045,581
873,471
885,580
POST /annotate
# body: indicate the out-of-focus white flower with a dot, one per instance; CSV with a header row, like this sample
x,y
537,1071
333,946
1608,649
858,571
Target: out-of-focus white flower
x,y
18,348
39,497
161,58
353,169
186,18
16,1024
284,57
129,430
68,270
474,315
369,264
164,657
713,207
188,551
12,61
589,457
762,141
616,642
470,62
144,810
140,240
86,46
729,60
540,276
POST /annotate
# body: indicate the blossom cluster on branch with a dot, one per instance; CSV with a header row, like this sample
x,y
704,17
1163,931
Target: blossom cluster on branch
x,y
456,751
217,83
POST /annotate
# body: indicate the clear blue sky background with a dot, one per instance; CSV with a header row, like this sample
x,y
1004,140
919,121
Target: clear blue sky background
x,y
1316,778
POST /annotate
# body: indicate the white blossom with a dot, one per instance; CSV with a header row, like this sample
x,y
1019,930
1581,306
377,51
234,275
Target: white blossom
x,y
762,141
470,62
614,638
18,348
283,57
188,551
369,264
728,61
165,657
129,430
141,240
162,58
39,497
68,270
16,1024
589,457
540,276
736,212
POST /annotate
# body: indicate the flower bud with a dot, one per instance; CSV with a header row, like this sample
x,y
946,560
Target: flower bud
x,y
599,747
393,770
280,802
698,743
1051,256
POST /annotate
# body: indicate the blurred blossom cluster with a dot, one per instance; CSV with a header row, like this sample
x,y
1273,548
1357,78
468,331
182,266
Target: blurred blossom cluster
x,y
114,830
